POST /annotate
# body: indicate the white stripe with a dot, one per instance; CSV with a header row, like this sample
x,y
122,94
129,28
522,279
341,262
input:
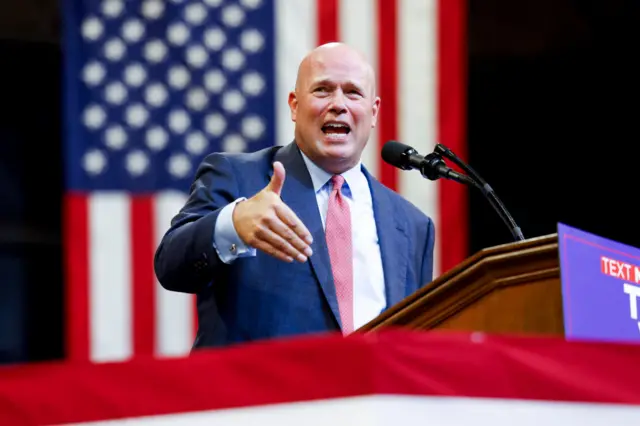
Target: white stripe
x,y
174,311
110,278
295,36
358,28
402,409
417,26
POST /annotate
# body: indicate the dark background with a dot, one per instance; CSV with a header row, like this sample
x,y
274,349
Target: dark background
x,y
552,126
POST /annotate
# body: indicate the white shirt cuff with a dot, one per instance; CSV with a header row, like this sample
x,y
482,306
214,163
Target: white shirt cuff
x,y
226,241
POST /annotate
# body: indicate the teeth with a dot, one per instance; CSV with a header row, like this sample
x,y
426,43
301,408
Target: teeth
x,y
336,136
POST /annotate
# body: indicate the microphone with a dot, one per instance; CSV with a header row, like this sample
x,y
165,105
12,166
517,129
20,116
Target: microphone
x,y
431,167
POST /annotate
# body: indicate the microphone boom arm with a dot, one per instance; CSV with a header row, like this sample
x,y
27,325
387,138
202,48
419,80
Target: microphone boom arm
x,y
485,188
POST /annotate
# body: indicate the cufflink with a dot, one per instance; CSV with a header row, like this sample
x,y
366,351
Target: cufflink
x,y
233,248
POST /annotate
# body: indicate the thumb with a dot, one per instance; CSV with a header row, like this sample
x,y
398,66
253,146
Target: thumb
x,y
277,180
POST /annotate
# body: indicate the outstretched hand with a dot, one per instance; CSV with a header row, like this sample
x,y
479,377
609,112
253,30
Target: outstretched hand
x,y
266,223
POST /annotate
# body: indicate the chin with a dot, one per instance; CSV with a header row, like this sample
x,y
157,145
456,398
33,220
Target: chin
x,y
333,144
337,150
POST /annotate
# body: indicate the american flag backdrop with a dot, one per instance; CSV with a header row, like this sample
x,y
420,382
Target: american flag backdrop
x,y
152,86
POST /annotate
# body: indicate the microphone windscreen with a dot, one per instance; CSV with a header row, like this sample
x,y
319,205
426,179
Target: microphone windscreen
x,y
393,153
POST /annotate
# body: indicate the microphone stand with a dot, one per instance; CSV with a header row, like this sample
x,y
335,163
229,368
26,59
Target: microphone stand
x,y
433,167
484,187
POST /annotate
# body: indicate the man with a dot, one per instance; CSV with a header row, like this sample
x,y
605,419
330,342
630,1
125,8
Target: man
x,y
299,239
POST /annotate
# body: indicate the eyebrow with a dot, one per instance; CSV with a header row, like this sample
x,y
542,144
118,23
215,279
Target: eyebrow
x,y
328,82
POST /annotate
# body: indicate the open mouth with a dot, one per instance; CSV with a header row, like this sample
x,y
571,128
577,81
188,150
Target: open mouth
x,y
336,129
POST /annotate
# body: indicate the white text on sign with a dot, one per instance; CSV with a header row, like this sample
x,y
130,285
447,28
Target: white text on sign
x,y
626,272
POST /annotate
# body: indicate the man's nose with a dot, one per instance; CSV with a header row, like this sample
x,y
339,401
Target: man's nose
x,y
338,104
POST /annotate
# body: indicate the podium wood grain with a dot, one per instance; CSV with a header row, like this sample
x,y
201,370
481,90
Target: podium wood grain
x,y
510,288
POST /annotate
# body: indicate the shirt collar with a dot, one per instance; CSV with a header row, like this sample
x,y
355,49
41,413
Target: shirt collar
x,y
319,177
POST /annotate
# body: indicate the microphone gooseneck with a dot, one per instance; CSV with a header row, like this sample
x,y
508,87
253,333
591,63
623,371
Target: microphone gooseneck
x,y
486,189
433,167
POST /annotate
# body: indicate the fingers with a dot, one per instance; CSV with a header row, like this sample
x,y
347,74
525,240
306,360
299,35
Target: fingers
x,y
272,251
286,237
271,226
274,244
295,230
282,234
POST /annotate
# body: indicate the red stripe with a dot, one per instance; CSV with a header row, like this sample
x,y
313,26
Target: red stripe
x,y
327,21
322,368
143,278
388,83
76,241
453,227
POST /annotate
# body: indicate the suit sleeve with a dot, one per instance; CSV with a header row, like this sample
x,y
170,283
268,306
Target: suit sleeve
x,y
186,259
427,257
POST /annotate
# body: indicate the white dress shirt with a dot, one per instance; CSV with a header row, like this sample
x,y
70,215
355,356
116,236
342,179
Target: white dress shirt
x,y
368,279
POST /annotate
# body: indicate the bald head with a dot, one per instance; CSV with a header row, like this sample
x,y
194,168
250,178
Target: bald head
x,y
325,54
334,106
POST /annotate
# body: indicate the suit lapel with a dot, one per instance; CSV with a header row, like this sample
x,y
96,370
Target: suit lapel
x,y
299,195
393,241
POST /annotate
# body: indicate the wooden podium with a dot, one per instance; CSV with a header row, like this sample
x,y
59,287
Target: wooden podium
x,y
511,288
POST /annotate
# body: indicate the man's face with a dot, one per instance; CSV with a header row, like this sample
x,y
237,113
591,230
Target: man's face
x,y
334,108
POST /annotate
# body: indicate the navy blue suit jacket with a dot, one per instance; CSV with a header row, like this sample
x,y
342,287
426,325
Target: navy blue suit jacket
x,y
261,297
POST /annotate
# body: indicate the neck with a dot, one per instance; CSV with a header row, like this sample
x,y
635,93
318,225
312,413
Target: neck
x,y
332,166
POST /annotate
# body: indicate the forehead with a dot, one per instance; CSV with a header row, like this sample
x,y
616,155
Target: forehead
x,y
339,70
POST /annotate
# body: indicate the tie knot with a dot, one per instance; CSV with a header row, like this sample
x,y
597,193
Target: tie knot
x,y
337,181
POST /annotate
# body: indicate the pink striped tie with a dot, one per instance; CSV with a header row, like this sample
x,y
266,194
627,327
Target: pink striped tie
x,y
338,234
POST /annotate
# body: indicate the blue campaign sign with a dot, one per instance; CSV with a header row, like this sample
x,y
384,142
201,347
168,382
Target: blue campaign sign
x,y
600,287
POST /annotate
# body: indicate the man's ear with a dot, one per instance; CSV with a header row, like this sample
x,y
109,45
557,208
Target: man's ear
x,y
293,105
376,110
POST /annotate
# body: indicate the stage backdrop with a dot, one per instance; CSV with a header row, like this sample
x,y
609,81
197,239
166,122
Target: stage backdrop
x,y
153,86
